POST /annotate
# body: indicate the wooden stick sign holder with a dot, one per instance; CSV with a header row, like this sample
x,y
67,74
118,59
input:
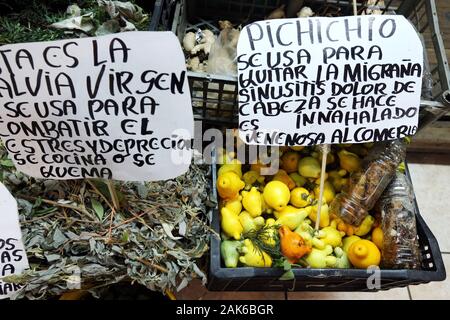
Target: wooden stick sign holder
x,y
325,150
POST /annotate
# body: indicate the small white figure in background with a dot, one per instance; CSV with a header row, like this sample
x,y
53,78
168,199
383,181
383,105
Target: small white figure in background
x,y
205,43
305,12
189,41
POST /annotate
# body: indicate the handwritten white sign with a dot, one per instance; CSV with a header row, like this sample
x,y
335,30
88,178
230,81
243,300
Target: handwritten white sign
x,y
116,107
13,258
311,81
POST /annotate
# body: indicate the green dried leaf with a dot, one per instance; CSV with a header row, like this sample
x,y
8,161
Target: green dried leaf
x,y
24,206
108,27
287,265
288,275
168,230
98,208
37,202
263,236
43,212
125,236
7,163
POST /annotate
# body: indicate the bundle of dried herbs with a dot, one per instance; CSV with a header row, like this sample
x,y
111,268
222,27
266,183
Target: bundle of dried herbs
x,y
72,231
54,20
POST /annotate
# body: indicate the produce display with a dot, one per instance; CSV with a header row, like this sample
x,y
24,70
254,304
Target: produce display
x,y
268,220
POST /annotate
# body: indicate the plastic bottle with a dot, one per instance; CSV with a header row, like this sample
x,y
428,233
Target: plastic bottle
x,y
398,222
366,185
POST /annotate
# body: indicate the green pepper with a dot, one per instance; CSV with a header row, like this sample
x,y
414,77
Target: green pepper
x,y
229,252
342,259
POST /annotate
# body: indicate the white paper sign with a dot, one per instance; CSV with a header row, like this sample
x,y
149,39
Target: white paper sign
x,y
311,81
13,258
116,107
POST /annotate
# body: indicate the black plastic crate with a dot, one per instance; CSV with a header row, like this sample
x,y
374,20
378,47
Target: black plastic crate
x,y
214,97
306,279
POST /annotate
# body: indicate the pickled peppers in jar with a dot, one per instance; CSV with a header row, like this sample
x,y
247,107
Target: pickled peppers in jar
x,y
398,221
365,186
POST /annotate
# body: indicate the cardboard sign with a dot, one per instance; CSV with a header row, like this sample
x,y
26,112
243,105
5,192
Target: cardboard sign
x,y
13,258
311,81
115,107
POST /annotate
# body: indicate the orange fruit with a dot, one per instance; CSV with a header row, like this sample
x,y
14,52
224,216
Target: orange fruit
x,y
282,176
377,237
289,161
258,166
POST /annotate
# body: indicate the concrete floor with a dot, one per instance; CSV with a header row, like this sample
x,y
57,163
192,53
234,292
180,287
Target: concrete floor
x,y
432,188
